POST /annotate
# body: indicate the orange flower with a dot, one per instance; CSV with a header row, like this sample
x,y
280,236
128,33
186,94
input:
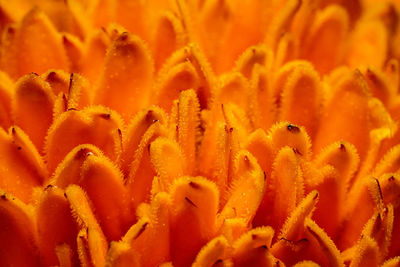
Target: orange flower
x,y
200,133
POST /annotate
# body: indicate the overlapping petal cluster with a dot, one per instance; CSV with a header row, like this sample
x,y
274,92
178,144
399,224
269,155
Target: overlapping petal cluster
x,y
200,133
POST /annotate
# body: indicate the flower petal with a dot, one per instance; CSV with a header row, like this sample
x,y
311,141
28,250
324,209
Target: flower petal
x,y
390,185
306,264
89,250
22,168
286,134
95,125
292,228
32,107
17,232
301,99
6,92
205,88
157,231
260,146
169,37
126,77
252,248
168,161
180,77
373,36
285,188
141,174
188,127
326,244
367,253
379,85
94,54
292,245
379,228
58,80
348,103
56,225
367,192
215,156
325,44
344,158
195,205
38,46
233,89
287,50
92,244
74,49
65,255
252,56
246,189
128,9
262,107
121,254
135,131
104,186
389,163
329,209
281,22
233,228
78,92
213,253
393,262
69,170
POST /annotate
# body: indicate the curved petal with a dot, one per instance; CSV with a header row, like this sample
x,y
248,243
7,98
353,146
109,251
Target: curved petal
x,y
94,125
135,132
213,253
32,107
127,76
22,168
17,232
56,225
194,210
38,46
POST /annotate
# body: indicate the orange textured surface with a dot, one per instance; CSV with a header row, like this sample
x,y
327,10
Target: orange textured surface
x,y
200,133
